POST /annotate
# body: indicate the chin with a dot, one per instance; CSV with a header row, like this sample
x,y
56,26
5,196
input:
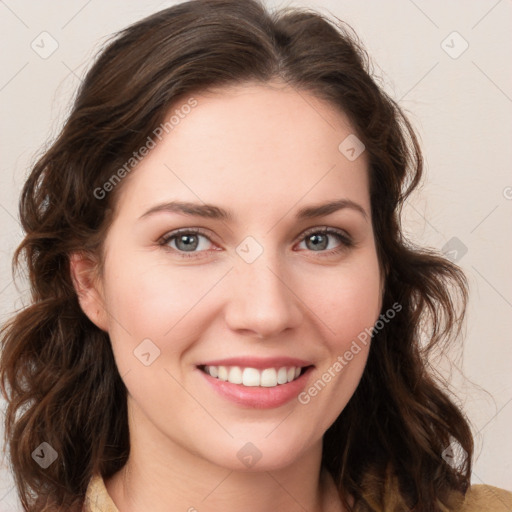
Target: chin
x,y
259,454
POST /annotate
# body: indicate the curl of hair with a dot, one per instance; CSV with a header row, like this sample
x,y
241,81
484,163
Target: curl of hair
x,y
63,386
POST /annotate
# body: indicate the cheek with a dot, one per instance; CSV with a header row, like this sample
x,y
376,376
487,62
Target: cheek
x,y
150,300
348,308
346,300
347,312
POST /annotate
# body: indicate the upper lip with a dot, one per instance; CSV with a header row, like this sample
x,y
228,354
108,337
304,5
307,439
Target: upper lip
x,y
258,362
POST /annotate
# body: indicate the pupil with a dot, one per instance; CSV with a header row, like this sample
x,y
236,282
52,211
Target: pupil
x,y
315,239
188,241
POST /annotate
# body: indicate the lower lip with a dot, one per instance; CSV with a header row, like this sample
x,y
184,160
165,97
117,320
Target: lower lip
x,y
258,397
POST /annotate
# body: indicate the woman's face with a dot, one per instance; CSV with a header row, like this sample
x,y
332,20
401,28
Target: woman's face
x,y
251,288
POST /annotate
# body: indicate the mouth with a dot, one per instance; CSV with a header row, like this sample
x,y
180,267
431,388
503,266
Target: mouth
x,y
256,382
255,377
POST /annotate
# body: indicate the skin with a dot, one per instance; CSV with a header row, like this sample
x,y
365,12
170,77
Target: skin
x,y
262,151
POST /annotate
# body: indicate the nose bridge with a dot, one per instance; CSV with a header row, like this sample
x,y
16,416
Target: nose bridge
x,y
262,298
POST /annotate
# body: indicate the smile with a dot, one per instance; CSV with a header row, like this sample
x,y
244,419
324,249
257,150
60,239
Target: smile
x,y
253,377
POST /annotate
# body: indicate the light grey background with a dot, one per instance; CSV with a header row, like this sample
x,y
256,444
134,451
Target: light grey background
x,y
460,103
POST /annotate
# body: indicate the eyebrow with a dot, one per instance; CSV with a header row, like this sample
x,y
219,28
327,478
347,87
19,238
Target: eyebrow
x,y
215,212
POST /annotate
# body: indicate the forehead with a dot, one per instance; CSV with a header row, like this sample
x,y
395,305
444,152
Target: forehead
x,y
268,144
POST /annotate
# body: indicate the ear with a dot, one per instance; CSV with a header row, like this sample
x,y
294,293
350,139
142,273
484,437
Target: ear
x,y
83,270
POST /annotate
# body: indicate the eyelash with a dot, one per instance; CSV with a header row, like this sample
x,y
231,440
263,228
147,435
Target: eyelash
x,y
346,241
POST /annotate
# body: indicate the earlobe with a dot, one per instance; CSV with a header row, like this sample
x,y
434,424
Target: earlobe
x,y
83,271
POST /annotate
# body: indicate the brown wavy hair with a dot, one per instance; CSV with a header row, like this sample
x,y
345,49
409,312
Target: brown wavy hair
x,y
63,387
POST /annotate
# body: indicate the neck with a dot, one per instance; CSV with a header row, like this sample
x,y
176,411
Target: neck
x,y
173,479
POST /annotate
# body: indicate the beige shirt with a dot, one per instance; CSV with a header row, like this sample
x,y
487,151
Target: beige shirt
x,y
480,498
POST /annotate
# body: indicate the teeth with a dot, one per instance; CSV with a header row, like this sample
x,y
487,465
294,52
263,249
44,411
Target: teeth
x,y
234,375
222,373
268,378
282,376
251,377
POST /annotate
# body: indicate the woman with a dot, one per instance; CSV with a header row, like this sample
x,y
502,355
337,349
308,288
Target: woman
x,y
225,312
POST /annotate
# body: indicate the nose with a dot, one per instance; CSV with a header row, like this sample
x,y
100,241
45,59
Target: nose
x,y
262,302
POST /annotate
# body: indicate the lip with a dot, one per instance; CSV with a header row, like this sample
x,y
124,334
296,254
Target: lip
x,y
260,363
258,397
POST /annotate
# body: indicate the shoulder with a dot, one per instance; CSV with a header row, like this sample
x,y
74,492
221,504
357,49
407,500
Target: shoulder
x,y
486,498
97,498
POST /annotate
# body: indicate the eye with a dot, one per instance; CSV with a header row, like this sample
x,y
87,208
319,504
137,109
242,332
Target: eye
x,y
191,242
183,241
318,240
